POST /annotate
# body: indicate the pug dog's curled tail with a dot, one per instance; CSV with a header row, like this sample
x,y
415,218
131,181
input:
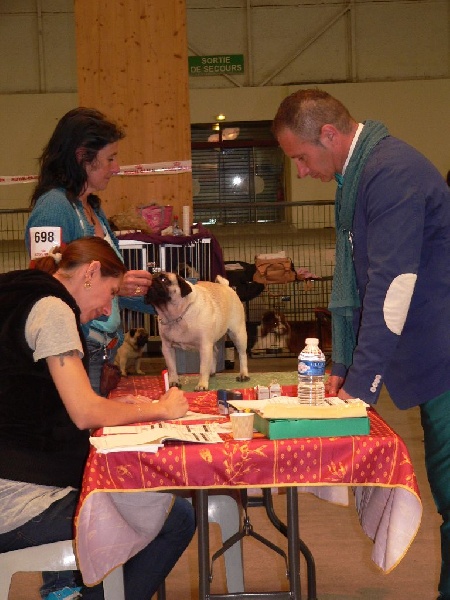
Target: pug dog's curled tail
x,y
222,280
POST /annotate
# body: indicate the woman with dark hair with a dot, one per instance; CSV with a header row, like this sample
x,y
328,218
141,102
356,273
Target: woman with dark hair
x,y
47,407
78,161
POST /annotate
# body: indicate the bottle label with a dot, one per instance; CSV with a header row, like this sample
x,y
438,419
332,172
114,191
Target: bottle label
x,y
229,354
311,367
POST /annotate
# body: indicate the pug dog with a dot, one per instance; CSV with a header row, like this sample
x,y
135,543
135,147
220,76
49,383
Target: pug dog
x,y
130,352
195,317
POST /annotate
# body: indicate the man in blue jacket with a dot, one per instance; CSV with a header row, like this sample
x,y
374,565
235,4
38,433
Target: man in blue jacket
x,y
390,302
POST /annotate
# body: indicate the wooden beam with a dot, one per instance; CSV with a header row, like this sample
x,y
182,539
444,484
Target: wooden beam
x,y
132,65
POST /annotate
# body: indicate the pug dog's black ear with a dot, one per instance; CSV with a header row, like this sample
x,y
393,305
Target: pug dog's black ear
x,y
184,286
132,332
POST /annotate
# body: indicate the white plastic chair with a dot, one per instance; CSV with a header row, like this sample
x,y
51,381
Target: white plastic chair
x,y
58,556
224,510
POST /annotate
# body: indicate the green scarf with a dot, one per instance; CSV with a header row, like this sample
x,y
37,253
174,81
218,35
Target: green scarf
x,y
344,295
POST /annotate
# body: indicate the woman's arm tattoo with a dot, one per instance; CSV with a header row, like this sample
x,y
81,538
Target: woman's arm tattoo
x,y
68,353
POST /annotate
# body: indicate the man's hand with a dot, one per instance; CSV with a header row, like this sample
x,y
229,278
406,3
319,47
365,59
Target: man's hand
x,y
333,385
342,394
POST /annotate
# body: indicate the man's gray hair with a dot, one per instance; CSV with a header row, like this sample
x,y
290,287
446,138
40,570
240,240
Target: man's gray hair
x,y
305,112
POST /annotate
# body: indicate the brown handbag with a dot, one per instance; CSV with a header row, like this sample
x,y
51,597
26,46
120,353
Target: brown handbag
x,y
274,270
109,378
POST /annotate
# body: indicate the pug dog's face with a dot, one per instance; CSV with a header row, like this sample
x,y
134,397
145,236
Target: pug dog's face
x,y
131,351
137,337
165,288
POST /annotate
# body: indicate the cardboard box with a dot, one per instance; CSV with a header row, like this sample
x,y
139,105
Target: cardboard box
x,y
281,429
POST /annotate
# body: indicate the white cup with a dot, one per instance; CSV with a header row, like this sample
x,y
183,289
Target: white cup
x,y
242,425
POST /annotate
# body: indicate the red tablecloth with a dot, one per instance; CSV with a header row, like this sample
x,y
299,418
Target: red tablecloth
x,y
378,464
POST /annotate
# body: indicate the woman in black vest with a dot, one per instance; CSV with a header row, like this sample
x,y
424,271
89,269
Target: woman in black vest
x,y
47,407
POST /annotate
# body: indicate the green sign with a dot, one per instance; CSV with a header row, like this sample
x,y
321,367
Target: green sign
x,y
221,64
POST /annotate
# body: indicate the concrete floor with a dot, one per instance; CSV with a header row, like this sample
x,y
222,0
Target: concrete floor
x,y
342,551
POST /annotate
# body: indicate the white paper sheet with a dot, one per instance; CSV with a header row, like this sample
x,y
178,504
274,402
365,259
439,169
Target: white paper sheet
x,y
137,435
288,407
150,448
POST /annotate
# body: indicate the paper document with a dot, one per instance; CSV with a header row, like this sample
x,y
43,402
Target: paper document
x,y
149,448
288,407
153,433
193,416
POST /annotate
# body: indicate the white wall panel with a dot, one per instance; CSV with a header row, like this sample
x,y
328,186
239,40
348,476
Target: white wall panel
x,y
57,5
283,41
19,65
367,40
285,37
390,42
26,123
59,52
17,6
208,4
37,46
409,43
212,32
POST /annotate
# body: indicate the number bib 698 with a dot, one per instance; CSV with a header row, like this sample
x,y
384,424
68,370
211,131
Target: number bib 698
x,y
43,239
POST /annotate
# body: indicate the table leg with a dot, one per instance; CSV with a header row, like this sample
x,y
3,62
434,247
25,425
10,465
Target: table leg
x,y
201,507
293,543
303,548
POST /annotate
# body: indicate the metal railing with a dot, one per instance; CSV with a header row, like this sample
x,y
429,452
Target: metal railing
x,y
304,232
13,252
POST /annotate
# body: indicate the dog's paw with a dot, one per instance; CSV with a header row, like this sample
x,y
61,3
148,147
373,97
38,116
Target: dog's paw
x,y
139,372
124,373
243,378
201,388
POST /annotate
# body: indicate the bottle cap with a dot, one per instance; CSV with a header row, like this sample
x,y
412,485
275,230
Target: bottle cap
x,y
312,341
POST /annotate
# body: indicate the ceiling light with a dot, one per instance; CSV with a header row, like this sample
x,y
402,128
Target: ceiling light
x,y
220,117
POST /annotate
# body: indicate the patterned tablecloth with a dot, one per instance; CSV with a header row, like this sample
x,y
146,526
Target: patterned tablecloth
x,y
376,466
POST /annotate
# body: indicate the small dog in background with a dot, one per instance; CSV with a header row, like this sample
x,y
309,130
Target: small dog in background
x,y
130,352
273,333
186,270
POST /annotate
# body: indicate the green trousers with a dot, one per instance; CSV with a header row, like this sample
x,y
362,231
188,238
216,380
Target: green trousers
x,y
435,417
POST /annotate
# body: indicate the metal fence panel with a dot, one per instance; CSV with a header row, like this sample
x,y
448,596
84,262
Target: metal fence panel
x,y
13,252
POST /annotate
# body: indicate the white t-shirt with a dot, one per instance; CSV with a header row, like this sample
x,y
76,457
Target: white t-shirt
x,y
50,330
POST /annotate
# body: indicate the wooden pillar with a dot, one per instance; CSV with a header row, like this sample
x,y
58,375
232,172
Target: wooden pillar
x,y
132,65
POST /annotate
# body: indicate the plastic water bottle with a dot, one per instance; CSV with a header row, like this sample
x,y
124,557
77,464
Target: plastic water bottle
x,y
229,354
311,372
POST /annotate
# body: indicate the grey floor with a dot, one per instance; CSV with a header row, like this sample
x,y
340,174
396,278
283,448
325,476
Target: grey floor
x,y
342,551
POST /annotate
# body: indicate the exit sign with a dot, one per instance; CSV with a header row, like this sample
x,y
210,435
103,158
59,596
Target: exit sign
x,y
220,64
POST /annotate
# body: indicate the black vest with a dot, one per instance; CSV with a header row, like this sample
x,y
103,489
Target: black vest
x,y
39,443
